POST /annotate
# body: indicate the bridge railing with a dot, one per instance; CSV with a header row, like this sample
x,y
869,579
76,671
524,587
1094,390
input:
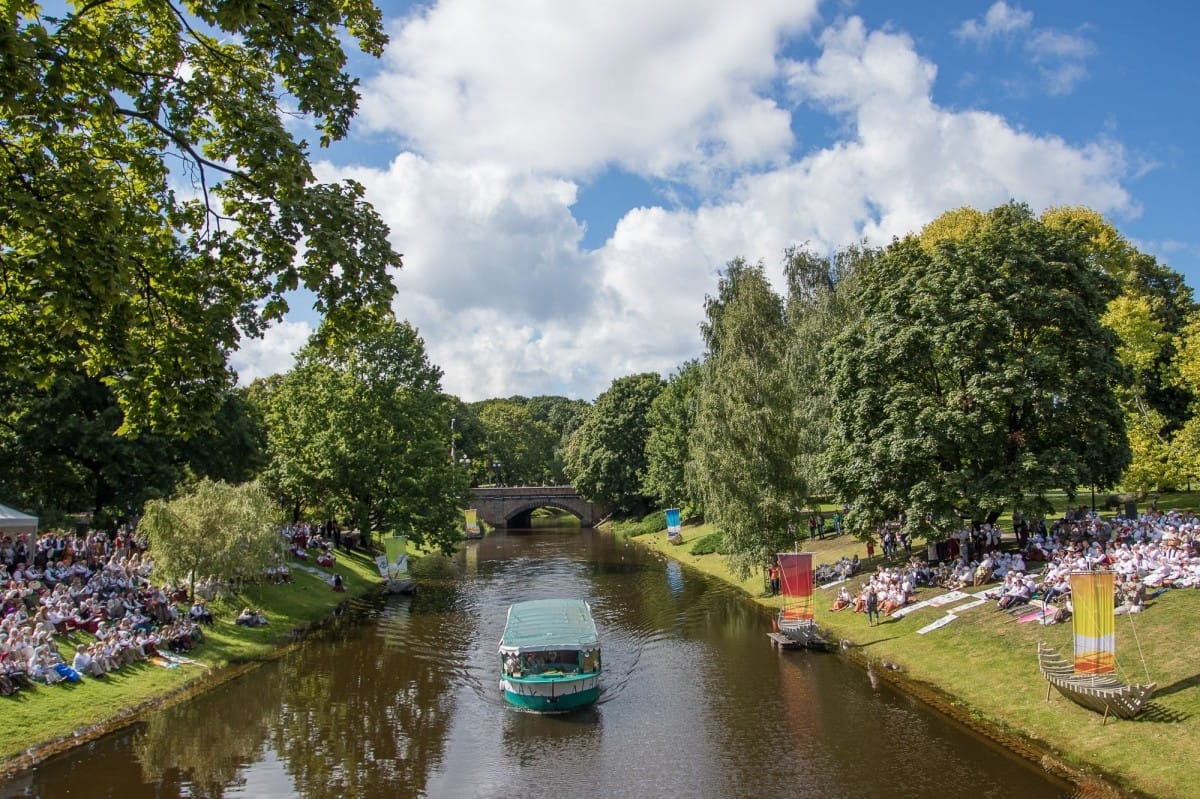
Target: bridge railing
x,y
504,492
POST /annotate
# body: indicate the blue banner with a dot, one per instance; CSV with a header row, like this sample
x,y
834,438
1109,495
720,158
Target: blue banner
x,y
672,520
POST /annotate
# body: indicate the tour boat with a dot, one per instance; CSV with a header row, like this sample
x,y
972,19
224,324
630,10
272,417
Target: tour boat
x,y
550,656
1089,680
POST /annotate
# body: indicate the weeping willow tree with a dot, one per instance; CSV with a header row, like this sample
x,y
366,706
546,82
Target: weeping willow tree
x,y
820,303
215,530
744,445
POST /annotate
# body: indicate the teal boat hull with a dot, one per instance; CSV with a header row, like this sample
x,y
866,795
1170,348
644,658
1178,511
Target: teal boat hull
x,y
552,695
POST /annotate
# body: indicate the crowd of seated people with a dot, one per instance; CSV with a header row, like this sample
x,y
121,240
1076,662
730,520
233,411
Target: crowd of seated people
x,y
57,587
893,588
841,569
1148,553
82,604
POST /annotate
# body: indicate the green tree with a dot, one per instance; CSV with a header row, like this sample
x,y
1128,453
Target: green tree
x,y
606,460
668,456
361,430
1148,316
1185,373
468,439
522,446
564,417
234,447
820,303
744,443
157,205
979,378
956,225
60,451
214,530
1142,339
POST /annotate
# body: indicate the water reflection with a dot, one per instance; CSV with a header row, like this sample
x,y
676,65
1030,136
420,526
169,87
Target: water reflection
x,y
405,703
205,744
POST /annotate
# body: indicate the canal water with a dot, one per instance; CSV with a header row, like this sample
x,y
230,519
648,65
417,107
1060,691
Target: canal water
x,y
402,700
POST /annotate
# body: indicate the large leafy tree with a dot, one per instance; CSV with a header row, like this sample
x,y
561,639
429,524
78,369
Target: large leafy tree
x,y
744,442
157,205
361,430
607,457
61,454
1185,445
564,417
1148,316
979,378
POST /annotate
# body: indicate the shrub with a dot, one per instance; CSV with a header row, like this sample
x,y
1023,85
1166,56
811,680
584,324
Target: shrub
x,y
713,542
651,523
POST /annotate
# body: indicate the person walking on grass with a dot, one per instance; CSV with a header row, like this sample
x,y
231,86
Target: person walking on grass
x,y
872,606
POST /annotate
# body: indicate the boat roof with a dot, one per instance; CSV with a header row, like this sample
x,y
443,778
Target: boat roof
x,y
542,624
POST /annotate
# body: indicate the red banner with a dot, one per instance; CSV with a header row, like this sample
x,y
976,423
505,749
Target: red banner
x,y
796,578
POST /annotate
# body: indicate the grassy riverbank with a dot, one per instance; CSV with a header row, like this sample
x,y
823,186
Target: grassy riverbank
x,y
46,719
982,667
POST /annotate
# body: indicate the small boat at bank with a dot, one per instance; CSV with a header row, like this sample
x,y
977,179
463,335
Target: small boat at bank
x,y
1089,680
795,621
550,656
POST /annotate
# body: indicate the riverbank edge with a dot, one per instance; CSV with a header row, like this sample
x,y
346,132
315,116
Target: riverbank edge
x,y
1087,779
212,677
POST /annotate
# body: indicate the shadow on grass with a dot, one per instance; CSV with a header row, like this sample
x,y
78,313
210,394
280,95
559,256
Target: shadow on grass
x,y
1179,685
1157,714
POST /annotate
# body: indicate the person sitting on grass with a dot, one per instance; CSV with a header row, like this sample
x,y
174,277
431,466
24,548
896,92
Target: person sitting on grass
x,y
200,614
1018,591
843,600
85,664
860,600
250,618
983,572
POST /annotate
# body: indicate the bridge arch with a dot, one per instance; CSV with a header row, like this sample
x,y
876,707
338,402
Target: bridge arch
x,y
520,515
499,506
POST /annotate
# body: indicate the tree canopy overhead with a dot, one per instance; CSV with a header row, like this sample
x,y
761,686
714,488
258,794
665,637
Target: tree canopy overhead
x,y
979,378
157,207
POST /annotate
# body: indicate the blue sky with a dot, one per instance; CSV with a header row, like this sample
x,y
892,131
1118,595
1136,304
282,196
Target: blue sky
x,y
567,179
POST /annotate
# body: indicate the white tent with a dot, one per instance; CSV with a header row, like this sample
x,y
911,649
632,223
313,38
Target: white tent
x,y
13,521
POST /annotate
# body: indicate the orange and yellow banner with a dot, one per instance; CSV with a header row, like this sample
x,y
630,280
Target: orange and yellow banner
x,y
472,520
1095,639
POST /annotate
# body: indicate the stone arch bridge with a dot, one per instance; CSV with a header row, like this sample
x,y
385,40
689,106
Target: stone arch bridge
x,y
512,506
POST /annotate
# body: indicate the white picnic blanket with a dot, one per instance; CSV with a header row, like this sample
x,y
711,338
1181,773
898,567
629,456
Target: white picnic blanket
x,y
942,622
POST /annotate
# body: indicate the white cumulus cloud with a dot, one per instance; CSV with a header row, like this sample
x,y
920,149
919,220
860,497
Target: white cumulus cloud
x,y
1001,20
